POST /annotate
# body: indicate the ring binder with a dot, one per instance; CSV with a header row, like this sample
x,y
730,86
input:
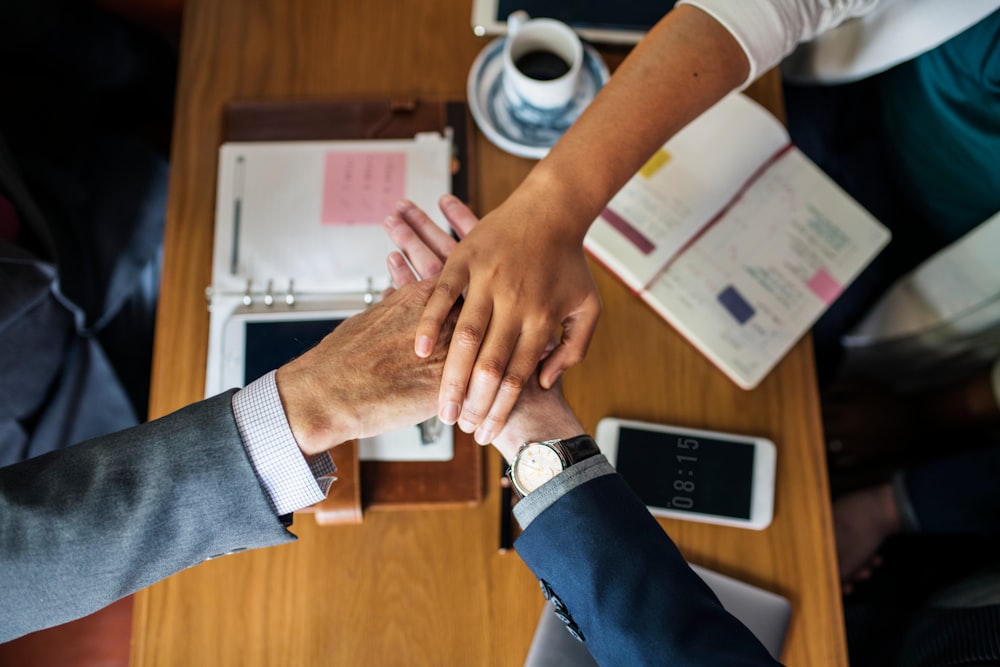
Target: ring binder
x,y
259,293
290,298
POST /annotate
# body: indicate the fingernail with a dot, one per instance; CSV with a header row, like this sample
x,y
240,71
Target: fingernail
x,y
403,205
484,436
551,381
466,426
423,348
449,415
391,221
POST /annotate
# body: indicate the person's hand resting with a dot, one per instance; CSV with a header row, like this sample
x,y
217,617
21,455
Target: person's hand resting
x,y
864,423
363,378
862,521
522,278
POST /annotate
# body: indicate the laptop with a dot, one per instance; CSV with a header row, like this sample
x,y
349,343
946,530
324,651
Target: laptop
x,y
766,614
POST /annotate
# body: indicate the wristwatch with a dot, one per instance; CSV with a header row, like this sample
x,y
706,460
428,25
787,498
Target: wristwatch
x,y
538,462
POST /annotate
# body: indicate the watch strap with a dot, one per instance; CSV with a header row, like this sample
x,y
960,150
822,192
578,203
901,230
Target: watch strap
x,y
579,448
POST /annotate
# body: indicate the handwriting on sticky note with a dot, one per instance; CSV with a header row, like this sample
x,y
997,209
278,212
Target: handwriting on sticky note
x,y
362,188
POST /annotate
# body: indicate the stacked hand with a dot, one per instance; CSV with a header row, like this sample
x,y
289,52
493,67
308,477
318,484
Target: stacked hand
x,y
865,423
862,521
539,413
337,390
521,280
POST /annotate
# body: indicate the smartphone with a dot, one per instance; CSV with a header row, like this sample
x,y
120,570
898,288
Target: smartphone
x,y
692,474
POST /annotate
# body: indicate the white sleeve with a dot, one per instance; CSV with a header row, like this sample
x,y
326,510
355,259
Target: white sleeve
x,y
769,30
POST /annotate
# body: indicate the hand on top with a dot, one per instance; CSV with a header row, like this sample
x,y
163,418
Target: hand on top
x,y
521,280
541,413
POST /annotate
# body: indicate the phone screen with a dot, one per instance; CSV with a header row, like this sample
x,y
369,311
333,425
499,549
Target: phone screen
x,y
688,474
639,16
270,344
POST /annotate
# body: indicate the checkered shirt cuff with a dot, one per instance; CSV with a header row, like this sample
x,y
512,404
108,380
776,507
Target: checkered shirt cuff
x,y
290,481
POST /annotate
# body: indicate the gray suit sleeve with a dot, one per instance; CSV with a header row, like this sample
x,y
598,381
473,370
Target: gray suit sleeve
x,y
85,526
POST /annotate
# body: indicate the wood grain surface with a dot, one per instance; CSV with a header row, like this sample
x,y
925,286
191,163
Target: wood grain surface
x,y
429,587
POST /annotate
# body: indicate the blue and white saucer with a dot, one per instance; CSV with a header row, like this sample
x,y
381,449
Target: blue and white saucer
x,y
492,113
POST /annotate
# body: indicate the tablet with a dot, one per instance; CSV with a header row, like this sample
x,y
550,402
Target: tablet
x,y
595,20
256,341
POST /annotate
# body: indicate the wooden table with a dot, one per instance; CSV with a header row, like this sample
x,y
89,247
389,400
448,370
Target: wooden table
x,y
430,587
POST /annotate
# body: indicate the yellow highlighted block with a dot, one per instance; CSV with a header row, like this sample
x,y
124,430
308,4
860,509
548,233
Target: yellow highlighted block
x,y
653,165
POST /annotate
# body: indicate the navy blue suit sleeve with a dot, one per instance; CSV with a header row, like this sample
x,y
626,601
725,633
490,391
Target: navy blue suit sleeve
x,y
626,586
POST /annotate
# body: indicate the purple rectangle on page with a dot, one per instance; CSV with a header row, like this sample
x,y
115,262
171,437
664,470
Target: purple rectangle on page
x,y
644,245
362,188
737,306
825,286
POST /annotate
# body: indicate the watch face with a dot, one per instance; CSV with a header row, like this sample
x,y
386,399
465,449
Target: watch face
x,y
535,465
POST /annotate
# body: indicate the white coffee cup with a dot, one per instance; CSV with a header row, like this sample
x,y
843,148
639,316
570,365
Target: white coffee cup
x,y
542,59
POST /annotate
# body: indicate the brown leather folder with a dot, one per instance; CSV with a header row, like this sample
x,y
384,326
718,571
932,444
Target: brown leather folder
x,y
377,485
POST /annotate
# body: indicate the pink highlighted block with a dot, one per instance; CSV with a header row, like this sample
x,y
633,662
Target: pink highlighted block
x,y
361,188
825,286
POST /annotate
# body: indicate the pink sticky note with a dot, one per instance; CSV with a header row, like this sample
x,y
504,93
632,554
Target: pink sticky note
x,y
362,188
825,286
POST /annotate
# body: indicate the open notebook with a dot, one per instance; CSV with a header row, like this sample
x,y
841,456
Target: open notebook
x,y
734,237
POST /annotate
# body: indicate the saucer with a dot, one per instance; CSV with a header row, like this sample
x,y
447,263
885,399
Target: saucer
x,y
491,111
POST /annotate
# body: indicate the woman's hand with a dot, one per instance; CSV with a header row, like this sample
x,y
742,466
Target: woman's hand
x,y
521,282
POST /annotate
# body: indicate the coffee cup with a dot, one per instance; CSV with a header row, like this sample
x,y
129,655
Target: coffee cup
x,y
542,59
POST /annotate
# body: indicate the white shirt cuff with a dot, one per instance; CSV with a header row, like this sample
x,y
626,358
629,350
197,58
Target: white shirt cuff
x,y
290,481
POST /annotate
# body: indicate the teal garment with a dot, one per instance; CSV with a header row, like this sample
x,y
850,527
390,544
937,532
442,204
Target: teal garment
x,y
941,112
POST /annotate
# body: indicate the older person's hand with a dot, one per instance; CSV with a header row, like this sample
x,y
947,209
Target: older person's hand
x,y
363,378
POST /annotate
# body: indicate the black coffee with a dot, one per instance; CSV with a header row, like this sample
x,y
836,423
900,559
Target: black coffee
x,y
541,65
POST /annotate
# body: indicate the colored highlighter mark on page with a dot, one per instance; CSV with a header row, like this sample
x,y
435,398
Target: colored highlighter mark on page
x,y
622,225
825,286
736,305
361,188
653,164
